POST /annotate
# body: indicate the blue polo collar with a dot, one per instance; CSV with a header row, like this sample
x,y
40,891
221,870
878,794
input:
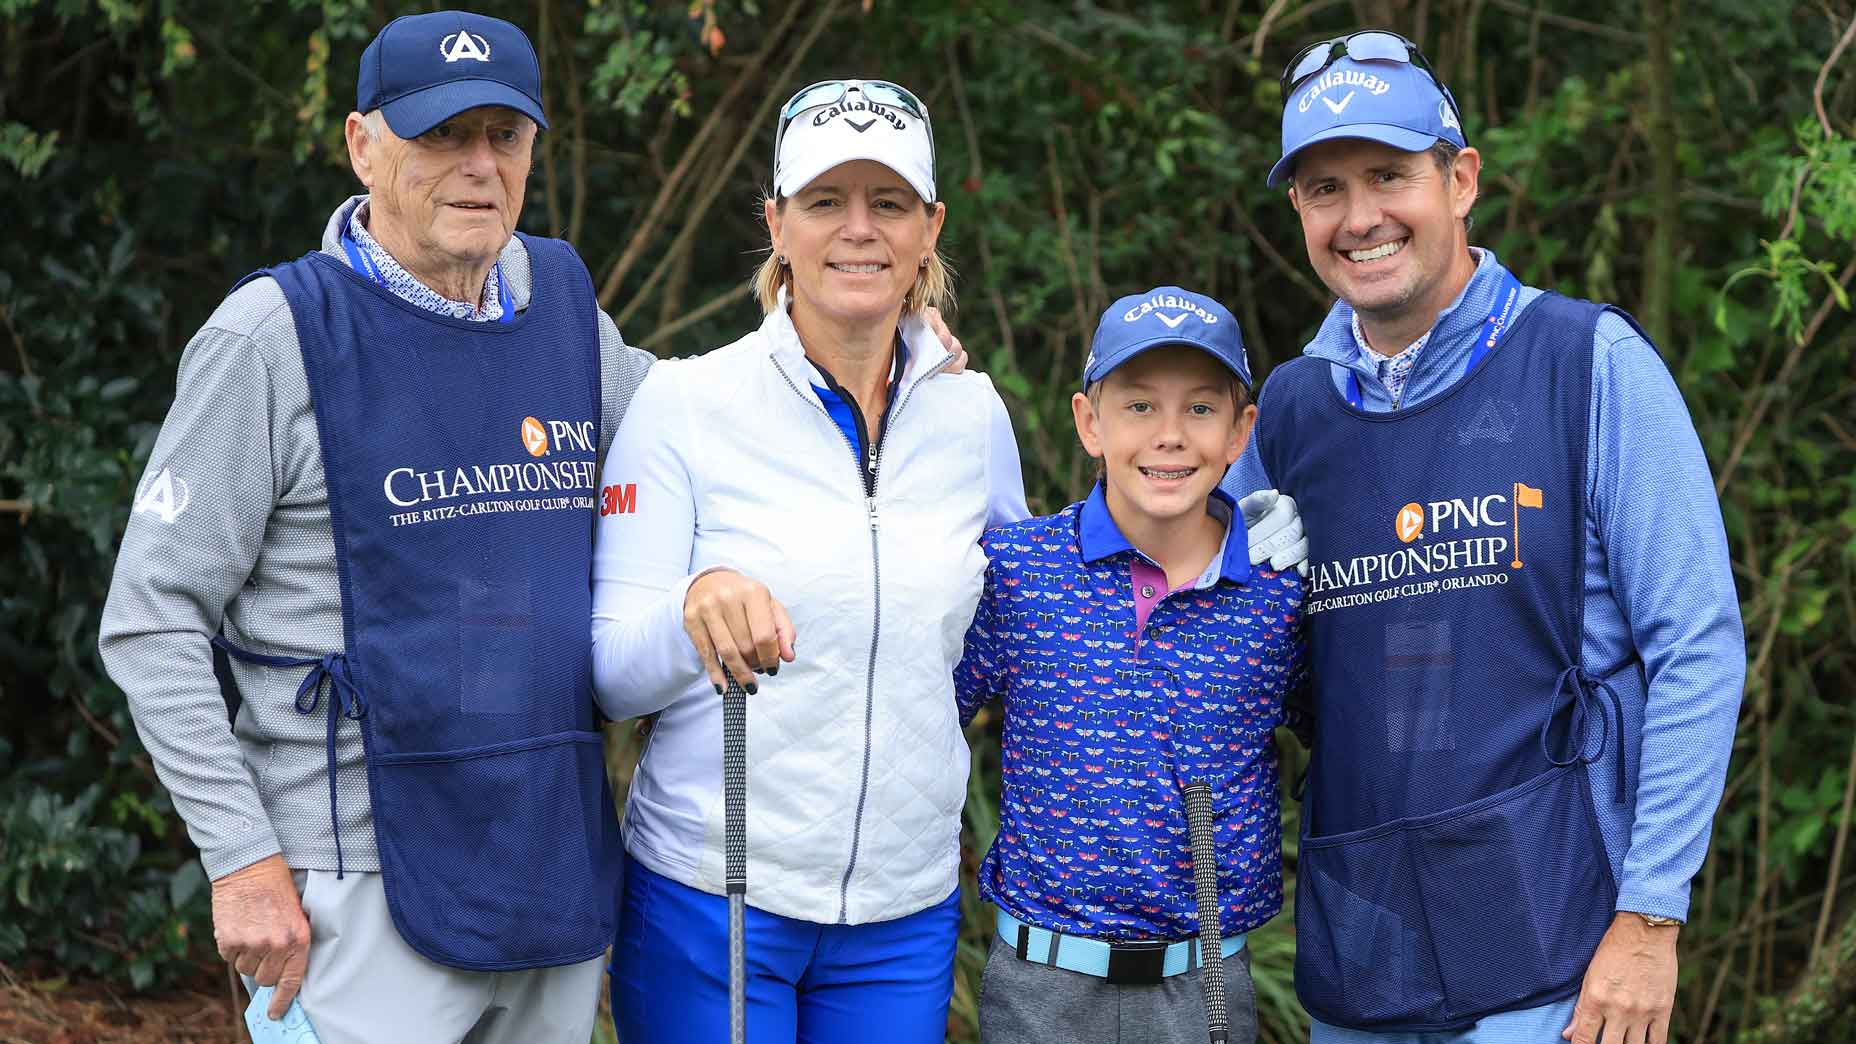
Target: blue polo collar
x,y
1098,537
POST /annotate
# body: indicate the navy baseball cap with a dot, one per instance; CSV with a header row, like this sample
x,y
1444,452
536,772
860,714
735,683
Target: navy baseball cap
x,y
424,69
1162,316
1395,103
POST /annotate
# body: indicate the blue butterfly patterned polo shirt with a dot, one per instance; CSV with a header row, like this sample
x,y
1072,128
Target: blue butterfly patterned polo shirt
x,y
1103,723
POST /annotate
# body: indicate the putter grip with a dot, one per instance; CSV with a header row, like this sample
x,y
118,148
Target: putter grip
x,y
735,787
735,849
1205,882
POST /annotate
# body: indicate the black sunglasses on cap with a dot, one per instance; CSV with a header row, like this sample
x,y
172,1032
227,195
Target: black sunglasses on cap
x,y
1371,45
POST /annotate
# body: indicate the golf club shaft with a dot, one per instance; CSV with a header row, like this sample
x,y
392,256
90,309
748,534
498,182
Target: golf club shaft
x,y
735,844
1205,882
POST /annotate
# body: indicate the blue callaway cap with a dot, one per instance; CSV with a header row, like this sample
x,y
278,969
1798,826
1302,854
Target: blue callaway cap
x,y
424,69
1162,316
1395,103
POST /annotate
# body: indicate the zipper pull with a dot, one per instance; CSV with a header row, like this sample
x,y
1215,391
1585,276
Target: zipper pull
x,y
870,506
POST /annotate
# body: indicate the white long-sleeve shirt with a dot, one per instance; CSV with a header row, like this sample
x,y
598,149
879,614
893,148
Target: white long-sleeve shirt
x,y
856,763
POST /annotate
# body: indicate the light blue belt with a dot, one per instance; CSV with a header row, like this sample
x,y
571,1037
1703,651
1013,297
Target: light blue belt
x,y
1117,962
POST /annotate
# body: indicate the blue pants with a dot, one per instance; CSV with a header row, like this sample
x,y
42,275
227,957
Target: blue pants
x,y
889,981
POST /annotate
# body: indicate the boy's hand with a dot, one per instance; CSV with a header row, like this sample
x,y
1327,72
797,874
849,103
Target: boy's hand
x,y
1276,534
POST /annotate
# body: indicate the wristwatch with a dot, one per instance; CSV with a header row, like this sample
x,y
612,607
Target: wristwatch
x,y
1659,922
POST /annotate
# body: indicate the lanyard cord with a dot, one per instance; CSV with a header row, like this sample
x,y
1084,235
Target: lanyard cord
x,y
1493,328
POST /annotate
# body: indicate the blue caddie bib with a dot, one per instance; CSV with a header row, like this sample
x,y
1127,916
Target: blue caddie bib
x,y
461,470
1451,865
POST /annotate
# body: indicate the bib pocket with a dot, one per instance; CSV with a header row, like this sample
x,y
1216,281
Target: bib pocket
x,y
1431,923
498,899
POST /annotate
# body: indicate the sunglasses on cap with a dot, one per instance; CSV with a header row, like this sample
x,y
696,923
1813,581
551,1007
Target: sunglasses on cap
x,y
831,92
1372,45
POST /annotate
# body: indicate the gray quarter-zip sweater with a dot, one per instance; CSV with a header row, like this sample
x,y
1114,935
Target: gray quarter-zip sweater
x,y
231,529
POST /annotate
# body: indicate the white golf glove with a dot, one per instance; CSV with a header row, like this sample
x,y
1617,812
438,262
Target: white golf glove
x,y
1276,534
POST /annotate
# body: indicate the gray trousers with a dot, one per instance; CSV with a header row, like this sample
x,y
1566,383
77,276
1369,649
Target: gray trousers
x,y
1026,1003
364,985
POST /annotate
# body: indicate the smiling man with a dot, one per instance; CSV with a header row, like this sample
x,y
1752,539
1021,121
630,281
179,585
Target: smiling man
x,y
1526,643
388,450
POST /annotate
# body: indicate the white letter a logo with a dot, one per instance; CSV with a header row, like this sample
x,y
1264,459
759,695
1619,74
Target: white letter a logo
x,y
165,497
459,46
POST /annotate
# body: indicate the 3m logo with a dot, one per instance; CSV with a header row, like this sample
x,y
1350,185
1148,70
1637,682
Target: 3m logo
x,y
459,46
618,499
534,437
1410,522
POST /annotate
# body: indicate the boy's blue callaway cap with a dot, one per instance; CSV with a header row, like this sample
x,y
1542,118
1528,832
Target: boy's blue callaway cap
x,y
1395,103
424,69
1161,316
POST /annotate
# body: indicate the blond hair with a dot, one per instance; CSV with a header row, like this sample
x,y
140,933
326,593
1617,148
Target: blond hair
x,y
934,283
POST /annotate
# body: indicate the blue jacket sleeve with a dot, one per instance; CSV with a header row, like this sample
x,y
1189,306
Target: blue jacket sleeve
x,y
1665,556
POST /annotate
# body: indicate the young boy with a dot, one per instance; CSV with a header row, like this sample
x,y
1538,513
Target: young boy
x,y
1136,651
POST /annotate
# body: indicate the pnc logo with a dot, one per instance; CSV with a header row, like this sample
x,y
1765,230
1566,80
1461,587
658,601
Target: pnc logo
x,y
461,45
534,437
1410,522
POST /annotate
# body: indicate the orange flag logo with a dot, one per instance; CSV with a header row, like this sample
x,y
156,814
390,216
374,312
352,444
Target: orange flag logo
x,y
534,437
1524,496
1410,522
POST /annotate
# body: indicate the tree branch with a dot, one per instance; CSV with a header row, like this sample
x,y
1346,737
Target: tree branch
x,y
692,219
696,315
1751,420
976,171
1823,74
654,215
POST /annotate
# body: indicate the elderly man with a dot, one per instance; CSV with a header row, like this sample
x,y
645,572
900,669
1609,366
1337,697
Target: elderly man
x,y
1527,647
375,491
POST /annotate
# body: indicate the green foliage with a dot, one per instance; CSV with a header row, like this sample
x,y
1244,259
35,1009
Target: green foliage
x,y
26,150
73,889
153,151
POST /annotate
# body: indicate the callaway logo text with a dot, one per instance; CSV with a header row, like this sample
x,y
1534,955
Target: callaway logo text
x,y
1172,301
883,112
1369,82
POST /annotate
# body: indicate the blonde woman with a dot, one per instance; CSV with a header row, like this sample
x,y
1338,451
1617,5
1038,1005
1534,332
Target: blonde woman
x,y
803,507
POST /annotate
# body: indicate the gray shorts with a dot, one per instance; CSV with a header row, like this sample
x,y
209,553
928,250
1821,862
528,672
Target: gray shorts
x,y
1022,1002
364,985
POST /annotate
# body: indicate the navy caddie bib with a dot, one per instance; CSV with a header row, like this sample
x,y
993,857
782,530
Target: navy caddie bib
x,y
461,470
1451,865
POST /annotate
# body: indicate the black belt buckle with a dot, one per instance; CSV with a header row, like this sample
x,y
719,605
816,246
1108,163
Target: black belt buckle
x,y
1137,964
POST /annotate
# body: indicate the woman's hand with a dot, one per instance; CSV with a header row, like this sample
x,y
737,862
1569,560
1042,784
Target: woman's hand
x,y
735,623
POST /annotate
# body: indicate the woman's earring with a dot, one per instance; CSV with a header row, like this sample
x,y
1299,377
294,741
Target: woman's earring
x,y
924,262
782,260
